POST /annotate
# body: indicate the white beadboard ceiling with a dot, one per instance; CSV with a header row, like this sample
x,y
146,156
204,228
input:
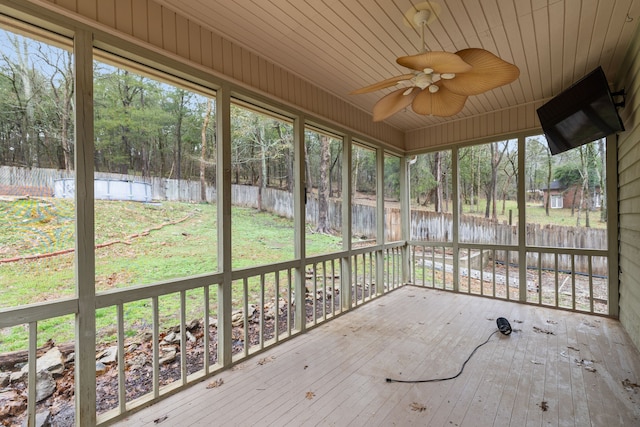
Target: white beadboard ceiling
x,y
344,45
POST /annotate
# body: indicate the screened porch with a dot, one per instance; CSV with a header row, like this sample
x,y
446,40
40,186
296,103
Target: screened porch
x,y
399,242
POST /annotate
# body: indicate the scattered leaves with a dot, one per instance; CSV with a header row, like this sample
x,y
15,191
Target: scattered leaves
x,y
161,419
544,406
573,348
306,366
543,331
552,322
215,383
418,407
518,321
266,360
310,395
587,364
630,386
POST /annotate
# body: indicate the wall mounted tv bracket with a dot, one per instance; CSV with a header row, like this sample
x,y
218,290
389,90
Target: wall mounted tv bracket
x,y
619,104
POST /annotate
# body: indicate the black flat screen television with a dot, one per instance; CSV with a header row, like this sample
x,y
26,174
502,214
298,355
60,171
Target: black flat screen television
x,y
582,113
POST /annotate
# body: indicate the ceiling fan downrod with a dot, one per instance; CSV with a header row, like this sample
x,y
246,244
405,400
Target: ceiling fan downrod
x,y
420,19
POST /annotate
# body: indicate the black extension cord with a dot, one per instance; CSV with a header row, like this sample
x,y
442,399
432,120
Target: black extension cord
x,y
503,326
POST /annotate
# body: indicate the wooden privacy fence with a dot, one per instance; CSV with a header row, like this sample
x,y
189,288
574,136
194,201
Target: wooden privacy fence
x,y
438,227
425,225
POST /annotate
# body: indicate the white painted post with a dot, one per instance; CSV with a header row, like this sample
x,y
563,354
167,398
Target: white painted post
x,y
456,222
522,223
612,225
380,240
223,180
85,348
405,218
345,266
299,223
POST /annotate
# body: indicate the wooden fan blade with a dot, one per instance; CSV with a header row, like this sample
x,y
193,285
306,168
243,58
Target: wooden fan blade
x,y
443,103
382,85
440,62
488,72
390,104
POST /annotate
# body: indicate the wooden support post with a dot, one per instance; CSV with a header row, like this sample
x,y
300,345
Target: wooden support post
x,y
223,117
85,364
347,198
405,218
612,225
456,223
380,238
299,223
522,224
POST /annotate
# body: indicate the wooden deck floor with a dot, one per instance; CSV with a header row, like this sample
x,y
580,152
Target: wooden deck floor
x,y
557,368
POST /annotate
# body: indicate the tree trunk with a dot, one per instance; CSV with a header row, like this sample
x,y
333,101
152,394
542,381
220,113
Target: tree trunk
x,y
309,180
437,203
179,149
548,201
602,180
323,188
263,166
203,152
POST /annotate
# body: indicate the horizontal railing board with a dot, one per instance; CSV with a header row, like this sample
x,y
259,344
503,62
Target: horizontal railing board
x,y
122,296
37,312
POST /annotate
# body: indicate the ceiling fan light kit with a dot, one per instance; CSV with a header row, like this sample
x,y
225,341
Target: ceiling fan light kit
x,y
440,81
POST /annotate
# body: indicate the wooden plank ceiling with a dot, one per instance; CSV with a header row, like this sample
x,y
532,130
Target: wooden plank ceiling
x,y
344,45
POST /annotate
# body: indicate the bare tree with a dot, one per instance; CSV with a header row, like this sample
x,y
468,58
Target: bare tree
x,y
203,151
491,189
323,185
62,86
511,171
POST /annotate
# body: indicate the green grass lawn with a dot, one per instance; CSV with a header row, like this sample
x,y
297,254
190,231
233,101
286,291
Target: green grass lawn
x,y
185,246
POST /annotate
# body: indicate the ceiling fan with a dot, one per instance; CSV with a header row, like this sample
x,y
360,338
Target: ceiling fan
x,y
440,82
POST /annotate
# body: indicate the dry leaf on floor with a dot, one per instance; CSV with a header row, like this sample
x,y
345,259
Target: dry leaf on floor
x,y
415,406
543,331
544,406
215,383
266,360
310,395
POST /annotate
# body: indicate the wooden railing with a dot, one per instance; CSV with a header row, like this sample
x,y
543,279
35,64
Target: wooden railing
x,y
494,271
275,302
186,334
